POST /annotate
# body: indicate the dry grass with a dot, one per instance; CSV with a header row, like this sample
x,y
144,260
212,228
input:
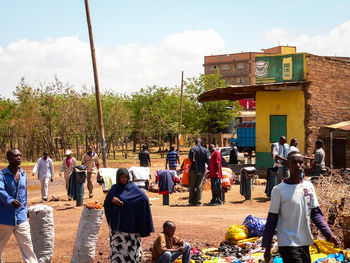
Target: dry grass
x,y
334,199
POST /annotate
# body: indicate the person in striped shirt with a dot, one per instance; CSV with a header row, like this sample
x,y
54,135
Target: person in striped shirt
x,y
172,158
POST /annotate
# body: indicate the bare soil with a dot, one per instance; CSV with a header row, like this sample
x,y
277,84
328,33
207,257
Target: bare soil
x,y
202,226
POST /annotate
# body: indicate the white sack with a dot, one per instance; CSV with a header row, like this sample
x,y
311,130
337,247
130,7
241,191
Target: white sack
x,y
42,231
87,235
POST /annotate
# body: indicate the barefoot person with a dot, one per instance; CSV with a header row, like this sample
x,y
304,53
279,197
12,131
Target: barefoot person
x,y
167,247
13,207
293,204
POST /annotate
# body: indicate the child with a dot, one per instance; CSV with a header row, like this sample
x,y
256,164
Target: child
x,y
167,247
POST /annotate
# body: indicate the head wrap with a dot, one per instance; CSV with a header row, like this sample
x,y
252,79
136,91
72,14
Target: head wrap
x,y
120,172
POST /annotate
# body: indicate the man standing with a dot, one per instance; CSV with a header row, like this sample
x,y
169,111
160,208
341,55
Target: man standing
x,y
172,158
144,157
280,152
44,167
67,168
13,207
215,174
318,166
293,204
198,156
91,160
234,154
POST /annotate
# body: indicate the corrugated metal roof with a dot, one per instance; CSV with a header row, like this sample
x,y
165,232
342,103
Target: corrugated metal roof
x,y
345,126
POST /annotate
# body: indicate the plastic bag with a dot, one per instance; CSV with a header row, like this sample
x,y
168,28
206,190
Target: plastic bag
x,y
227,178
185,180
87,235
236,232
42,231
255,225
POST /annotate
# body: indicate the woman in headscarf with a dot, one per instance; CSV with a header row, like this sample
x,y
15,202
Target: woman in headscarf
x,y
129,217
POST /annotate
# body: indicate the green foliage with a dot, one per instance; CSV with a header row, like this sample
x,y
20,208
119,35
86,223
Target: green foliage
x,y
208,117
56,117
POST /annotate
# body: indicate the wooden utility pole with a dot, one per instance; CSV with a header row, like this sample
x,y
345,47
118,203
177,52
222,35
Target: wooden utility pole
x,y
180,122
97,88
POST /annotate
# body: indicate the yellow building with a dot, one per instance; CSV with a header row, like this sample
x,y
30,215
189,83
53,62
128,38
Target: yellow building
x,y
295,95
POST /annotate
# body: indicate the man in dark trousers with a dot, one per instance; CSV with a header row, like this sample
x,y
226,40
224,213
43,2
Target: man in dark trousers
x,y
13,207
293,204
215,174
144,157
198,156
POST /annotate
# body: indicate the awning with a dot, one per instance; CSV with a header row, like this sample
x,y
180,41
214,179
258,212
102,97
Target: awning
x,y
238,92
345,126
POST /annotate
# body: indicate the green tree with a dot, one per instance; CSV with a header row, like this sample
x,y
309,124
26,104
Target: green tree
x,y
211,117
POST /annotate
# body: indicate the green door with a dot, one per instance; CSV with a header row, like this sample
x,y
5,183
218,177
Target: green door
x,y
278,127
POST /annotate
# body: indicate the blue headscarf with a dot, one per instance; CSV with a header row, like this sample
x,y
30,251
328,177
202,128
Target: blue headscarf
x,y
134,216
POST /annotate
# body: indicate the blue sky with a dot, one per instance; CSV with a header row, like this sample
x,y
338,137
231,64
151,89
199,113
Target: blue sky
x,y
148,42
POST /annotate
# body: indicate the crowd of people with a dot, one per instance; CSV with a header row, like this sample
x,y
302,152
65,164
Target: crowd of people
x,y
293,202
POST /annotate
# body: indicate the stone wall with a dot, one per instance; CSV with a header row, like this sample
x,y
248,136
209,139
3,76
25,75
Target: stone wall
x,y
327,96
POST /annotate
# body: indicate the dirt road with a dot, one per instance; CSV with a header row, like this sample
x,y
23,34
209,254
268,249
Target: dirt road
x,y
202,226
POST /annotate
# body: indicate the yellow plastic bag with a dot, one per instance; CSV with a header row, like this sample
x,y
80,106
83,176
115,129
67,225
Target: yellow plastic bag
x,y
325,247
236,232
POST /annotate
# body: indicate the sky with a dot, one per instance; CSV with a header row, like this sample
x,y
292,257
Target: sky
x,y
141,43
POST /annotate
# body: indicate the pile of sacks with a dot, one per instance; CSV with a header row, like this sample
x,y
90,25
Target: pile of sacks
x,y
243,243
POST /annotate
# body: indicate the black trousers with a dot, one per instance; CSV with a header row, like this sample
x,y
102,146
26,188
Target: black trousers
x,y
295,254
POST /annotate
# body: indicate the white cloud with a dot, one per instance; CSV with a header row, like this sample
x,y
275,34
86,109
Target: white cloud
x,y
123,69
336,42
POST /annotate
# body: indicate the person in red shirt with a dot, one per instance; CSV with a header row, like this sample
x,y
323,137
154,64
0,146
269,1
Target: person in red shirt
x,y
215,174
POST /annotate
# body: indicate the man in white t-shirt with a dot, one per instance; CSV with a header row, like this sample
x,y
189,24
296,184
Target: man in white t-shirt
x,y
293,204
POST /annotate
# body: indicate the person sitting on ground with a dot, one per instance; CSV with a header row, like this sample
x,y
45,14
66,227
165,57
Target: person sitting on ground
x,y
167,247
293,205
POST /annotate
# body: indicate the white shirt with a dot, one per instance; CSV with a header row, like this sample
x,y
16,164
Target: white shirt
x,y
293,204
44,168
293,149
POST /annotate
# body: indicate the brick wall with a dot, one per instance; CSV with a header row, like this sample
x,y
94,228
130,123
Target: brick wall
x,y
327,97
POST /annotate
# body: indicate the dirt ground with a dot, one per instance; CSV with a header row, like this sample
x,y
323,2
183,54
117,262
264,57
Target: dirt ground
x,y
202,226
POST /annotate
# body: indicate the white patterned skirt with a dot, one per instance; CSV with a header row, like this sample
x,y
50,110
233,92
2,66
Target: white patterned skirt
x,y
125,247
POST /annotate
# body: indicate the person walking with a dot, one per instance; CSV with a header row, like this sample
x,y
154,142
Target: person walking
x,y
172,158
44,168
144,157
293,204
67,168
129,218
280,151
13,207
215,175
199,157
91,160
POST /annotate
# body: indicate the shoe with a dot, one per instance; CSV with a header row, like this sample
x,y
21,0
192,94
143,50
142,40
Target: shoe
x,y
91,195
198,204
69,198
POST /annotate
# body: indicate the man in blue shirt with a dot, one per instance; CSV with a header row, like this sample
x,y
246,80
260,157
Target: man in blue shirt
x,y
199,156
13,207
172,158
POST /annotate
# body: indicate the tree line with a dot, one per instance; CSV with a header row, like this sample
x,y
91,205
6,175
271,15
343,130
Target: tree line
x,y
55,117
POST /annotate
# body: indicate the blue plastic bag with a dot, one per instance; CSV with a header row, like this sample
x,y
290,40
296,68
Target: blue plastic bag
x,y
338,257
255,225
